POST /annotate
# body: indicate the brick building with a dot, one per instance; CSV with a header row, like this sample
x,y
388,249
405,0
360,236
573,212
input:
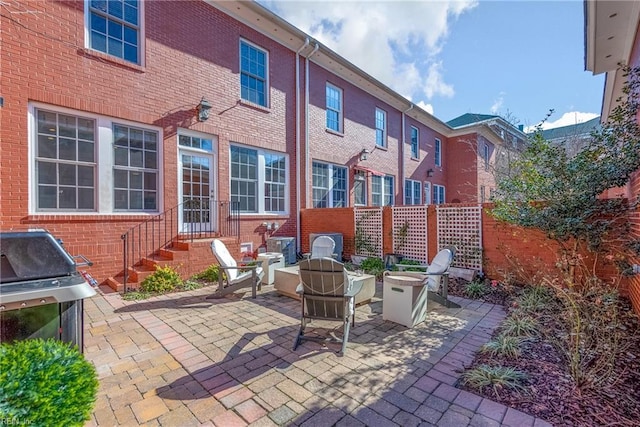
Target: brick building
x,y
121,113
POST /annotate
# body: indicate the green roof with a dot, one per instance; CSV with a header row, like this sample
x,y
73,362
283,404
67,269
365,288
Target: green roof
x,y
470,118
578,129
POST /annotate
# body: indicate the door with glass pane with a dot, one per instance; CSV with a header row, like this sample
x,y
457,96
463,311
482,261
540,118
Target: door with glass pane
x,y
196,175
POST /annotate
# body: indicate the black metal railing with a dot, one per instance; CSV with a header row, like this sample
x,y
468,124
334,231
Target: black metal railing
x,y
196,218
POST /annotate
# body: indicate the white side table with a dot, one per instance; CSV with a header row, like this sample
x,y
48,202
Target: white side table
x,y
270,261
404,299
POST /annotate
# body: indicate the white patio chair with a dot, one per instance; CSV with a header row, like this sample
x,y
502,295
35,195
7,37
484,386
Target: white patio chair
x,y
323,247
235,277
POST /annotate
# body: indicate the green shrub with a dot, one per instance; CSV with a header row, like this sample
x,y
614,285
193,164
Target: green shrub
x,y
503,345
409,262
534,298
190,285
135,295
373,265
520,325
496,377
45,383
475,289
211,274
164,279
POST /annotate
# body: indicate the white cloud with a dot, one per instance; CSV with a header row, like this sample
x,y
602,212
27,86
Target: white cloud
x,y
426,107
497,104
570,118
397,45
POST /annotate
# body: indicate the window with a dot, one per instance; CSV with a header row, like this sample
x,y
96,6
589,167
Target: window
x,y
135,170
412,192
86,163
415,143
360,189
253,74
427,193
329,186
485,156
258,180
438,194
381,128
482,191
114,28
382,190
334,108
438,153
65,162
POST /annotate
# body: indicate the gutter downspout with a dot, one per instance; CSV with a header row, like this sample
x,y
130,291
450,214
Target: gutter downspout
x,y
306,124
298,243
404,141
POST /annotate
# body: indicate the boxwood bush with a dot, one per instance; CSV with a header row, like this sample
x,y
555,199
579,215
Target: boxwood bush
x,y
45,383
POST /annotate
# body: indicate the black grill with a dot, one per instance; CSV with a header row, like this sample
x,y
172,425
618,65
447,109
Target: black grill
x,y
36,274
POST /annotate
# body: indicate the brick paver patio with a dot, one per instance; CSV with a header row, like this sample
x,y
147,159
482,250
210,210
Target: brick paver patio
x,y
181,360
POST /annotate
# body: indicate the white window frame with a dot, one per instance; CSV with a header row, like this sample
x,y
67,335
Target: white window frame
x,y
386,193
412,192
360,178
438,152
332,201
439,195
381,127
104,159
140,29
261,179
415,142
264,79
334,109
427,193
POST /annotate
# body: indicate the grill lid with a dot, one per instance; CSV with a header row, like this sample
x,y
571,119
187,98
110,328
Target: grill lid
x,y
32,255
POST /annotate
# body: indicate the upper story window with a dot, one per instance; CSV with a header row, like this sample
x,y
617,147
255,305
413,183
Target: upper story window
x,y
482,194
438,152
253,73
415,142
485,155
329,185
334,108
438,194
114,28
381,128
259,180
412,192
382,190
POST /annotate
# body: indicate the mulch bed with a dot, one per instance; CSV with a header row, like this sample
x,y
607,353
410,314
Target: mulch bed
x,y
551,393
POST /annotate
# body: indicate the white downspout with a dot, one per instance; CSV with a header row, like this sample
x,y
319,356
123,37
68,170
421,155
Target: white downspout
x,y
404,141
298,243
306,126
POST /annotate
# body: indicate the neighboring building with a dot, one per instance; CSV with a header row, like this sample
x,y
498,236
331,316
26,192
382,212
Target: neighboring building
x,y
487,145
572,137
117,112
612,37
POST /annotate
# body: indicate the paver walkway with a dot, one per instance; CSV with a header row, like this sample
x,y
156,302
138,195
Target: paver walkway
x,y
181,360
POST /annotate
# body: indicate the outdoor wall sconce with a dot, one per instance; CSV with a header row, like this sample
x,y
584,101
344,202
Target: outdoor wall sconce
x,y
363,154
429,173
271,226
203,110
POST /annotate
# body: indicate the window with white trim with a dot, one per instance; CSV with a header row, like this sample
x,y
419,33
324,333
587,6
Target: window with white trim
x,y
65,166
427,193
382,190
135,169
415,142
114,28
438,152
360,188
253,73
258,180
329,185
334,107
381,128
485,156
438,194
70,147
412,192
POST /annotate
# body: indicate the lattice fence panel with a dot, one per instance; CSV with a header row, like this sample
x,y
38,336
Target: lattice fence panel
x,y
410,232
461,226
368,232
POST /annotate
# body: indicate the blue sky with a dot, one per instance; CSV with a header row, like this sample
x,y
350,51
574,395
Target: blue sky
x,y
513,58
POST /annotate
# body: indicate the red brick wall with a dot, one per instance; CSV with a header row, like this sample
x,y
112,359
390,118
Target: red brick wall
x,y
461,173
325,220
191,52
